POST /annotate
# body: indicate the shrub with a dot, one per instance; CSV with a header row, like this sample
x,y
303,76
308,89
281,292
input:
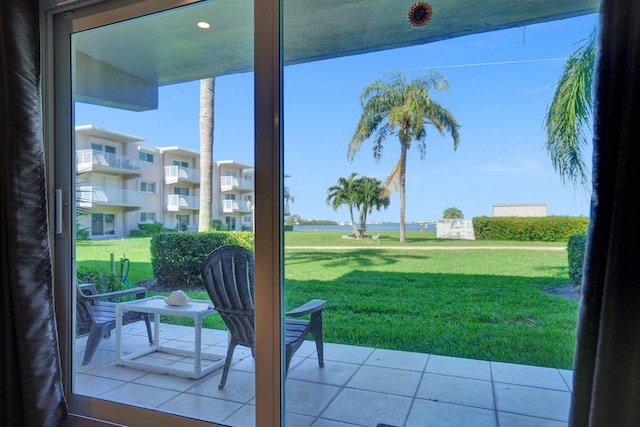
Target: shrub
x,y
105,281
176,257
218,225
82,233
146,230
529,229
575,252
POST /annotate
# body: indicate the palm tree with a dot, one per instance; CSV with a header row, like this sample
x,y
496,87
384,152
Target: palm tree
x,y
393,106
569,115
452,213
207,90
369,195
343,194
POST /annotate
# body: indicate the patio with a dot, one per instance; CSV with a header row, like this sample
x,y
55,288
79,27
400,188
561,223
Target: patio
x,y
359,386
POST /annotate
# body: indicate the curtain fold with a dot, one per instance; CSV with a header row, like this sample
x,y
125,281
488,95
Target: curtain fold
x,y
606,386
31,375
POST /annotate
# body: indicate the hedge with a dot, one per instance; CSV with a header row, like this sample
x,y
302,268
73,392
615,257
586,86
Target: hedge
x,y
529,229
176,257
575,252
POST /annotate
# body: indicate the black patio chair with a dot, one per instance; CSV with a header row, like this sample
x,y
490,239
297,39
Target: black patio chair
x,y
96,314
228,276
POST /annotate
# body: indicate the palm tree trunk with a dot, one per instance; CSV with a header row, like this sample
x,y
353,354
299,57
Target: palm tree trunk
x,y
207,91
353,221
402,177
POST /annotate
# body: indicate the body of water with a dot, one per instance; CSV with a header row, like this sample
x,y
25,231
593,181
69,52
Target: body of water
x,y
390,226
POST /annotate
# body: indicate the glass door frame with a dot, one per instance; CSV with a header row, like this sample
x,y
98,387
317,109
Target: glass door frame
x,y
60,18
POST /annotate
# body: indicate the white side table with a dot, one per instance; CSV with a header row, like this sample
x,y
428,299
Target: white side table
x,y
155,305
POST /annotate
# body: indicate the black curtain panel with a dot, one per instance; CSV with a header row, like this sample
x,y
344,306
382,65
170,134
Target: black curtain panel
x,y
606,381
30,371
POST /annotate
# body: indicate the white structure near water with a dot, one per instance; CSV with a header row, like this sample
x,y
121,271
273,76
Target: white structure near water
x,y
520,209
455,229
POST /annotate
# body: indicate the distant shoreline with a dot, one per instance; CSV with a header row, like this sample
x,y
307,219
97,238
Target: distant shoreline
x,y
387,226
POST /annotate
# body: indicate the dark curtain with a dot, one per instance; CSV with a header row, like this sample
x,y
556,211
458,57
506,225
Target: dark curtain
x,y
31,375
607,362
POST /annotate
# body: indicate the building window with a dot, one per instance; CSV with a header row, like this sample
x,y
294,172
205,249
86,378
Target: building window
x,y
103,224
180,163
231,222
148,187
182,222
147,217
183,191
146,157
106,148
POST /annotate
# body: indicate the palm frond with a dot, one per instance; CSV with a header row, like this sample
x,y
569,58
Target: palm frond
x,y
568,120
392,183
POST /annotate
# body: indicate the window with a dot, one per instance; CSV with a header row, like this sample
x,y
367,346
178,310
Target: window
x,y
110,149
148,187
182,222
181,163
146,157
103,224
182,191
229,196
147,217
230,221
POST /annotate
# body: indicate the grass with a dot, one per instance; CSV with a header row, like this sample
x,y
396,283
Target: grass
x,y
391,239
480,304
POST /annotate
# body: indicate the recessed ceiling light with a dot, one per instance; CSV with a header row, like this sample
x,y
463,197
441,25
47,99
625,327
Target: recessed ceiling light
x,y
203,24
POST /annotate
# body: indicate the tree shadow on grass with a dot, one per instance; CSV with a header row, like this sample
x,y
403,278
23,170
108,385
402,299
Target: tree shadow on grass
x,y
337,258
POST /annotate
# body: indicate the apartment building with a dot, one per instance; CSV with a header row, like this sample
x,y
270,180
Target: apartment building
x,y
122,182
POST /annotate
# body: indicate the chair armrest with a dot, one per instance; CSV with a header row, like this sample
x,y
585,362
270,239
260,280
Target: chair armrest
x,y
88,287
112,295
311,307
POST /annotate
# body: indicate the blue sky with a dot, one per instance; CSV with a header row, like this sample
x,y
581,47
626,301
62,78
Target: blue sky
x,y
501,84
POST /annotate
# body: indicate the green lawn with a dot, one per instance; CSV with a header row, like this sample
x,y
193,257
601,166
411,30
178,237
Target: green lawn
x,y
391,238
481,304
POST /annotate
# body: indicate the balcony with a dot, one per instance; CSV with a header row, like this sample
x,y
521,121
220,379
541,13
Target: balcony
x,y
177,202
90,196
98,161
175,174
232,183
237,206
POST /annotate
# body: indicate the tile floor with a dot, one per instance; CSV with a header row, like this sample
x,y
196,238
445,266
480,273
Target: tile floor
x,y
359,386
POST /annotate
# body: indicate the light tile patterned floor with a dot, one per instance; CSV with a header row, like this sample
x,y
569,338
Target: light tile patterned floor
x,y
358,387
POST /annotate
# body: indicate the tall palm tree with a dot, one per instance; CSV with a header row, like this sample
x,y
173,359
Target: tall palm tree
x,y
369,194
569,115
393,106
207,91
343,194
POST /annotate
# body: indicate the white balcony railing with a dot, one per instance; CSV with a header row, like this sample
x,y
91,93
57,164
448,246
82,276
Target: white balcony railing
x,y
236,206
173,174
177,202
228,183
88,160
88,196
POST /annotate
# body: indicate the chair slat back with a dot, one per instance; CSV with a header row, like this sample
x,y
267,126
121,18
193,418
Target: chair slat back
x,y
227,274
